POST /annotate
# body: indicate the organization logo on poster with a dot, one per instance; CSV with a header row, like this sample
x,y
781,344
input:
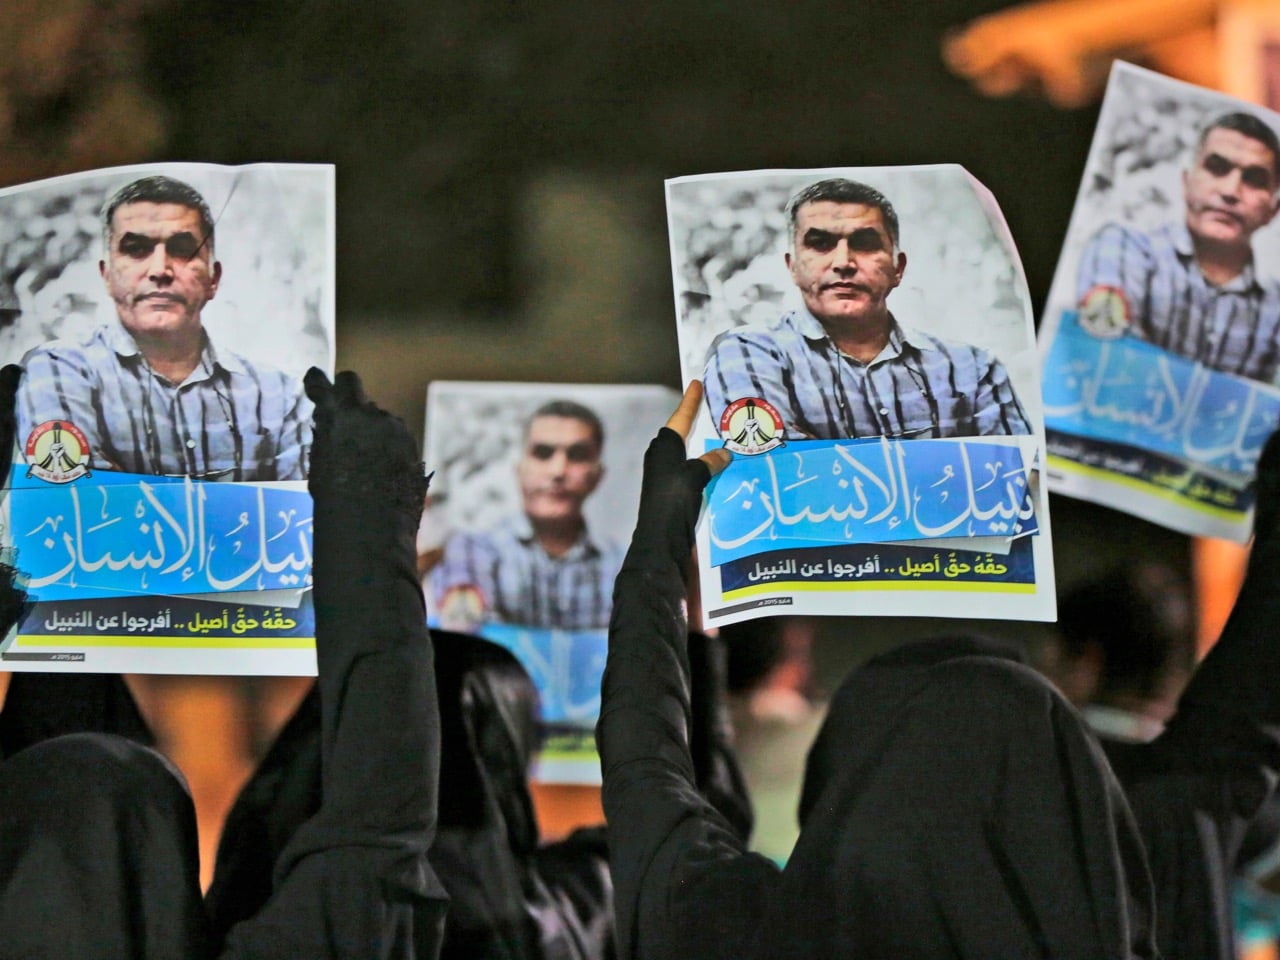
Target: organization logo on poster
x,y
57,452
750,426
1104,313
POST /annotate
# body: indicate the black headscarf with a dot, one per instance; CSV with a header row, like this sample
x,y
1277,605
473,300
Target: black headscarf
x,y
954,806
98,854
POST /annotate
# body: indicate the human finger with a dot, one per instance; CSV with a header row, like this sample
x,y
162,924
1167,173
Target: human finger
x,y
682,420
317,386
717,459
10,374
348,389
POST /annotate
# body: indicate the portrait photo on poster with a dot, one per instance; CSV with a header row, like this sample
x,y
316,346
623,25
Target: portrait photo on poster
x,y
1172,238
165,315
782,278
534,499
1161,334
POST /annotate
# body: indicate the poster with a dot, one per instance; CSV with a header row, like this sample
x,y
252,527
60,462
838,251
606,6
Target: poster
x,y
865,343
164,316
532,506
1161,335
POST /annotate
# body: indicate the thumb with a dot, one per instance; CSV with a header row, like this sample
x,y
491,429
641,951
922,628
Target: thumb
x,y
317,386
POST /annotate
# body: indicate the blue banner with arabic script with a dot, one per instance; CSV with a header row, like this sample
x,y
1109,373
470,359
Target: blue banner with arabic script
x,y
879,566
167,620
566,666
1165,474
822,492
136,536
1131,392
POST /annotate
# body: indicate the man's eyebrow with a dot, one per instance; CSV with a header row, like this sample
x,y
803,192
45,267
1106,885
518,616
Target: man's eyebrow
x,y
864,234
818,235
130,236
860,236
1215,157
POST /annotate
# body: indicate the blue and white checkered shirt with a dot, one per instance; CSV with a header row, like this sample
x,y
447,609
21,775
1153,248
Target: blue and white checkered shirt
x,y
918,386
519,583
1168,302
229,420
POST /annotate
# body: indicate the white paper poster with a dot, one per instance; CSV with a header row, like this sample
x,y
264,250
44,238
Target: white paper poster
x,y
865,343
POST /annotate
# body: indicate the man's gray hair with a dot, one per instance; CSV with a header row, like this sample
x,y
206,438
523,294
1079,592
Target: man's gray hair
x,y
1251,126
840,190
158,189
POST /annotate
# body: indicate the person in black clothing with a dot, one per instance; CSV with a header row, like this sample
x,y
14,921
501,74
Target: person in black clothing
x,y
1128,632
353,880
954,804
1197,787
510,897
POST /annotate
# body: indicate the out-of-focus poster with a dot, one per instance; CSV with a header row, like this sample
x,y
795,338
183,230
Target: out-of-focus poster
x,y
157,506
532,506
1161,336
865,343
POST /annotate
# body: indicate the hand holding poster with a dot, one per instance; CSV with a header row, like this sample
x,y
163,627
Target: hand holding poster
x,y
1161,338
164,316
884,420
534,499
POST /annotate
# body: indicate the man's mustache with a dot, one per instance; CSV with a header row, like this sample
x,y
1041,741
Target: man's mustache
x,y
1224,212
161,295
845,285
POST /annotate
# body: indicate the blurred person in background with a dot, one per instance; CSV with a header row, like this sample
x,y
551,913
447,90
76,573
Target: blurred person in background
x,y
774,721
1125,649
1124,653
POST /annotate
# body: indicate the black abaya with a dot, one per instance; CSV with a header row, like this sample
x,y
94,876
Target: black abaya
x,y
954,808
354,880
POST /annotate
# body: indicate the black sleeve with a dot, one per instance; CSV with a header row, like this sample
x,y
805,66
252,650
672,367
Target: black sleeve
x,y
355,881
1235,693
684,884
715,762
1196,787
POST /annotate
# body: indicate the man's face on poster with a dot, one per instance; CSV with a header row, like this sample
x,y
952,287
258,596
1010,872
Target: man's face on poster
x,y
159,268
559,469
1230,188
843,260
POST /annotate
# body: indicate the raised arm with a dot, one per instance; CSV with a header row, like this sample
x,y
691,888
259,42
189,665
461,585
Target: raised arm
x,y
1195,788
684,885
354,881
1240,677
